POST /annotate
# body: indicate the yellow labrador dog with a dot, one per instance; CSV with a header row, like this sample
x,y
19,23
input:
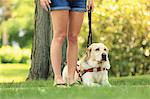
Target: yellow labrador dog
x,y
93,68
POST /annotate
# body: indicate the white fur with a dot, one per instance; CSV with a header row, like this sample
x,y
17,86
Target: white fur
x,y
92,78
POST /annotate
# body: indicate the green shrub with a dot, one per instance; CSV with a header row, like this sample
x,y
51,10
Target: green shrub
x,y
14,55
26,53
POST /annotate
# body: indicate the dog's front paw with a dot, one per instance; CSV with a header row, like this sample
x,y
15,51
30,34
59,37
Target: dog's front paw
x,y
95,85
109,85
106,83
91,84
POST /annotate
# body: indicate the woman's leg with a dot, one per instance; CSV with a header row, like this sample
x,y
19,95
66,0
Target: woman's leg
x,y
60,20
75,22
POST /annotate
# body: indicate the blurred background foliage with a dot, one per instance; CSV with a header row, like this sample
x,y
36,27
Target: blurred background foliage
x,y
14,55
123,25
17,21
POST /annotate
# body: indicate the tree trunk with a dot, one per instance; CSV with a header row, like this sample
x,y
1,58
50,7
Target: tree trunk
x,y
40,44
5,38
41,66
6,15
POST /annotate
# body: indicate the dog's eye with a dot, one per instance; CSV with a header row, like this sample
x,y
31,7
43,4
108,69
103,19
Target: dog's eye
x,y
97,49
105,49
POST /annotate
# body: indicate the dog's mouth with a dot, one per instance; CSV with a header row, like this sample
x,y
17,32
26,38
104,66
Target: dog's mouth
x,y
102,60
99,62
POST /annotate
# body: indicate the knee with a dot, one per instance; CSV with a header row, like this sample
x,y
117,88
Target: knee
x,y
72,38
59,37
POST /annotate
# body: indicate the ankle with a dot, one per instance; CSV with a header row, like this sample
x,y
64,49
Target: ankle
x,y
70,80
58,80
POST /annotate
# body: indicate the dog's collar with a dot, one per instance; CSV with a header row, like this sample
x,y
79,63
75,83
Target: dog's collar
x,y
94,69
81,73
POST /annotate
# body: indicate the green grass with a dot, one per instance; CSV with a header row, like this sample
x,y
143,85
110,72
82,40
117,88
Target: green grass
x,y
13,72
137,87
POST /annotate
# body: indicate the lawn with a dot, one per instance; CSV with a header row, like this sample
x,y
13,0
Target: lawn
x,y
122,88
13,72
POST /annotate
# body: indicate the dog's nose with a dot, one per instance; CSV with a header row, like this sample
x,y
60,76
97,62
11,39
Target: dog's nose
x,y
103,56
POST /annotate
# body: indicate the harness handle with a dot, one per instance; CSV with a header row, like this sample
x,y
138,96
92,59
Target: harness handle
x,y
90,27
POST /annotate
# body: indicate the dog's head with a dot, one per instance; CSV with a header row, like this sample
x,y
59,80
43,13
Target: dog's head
x,y
98,52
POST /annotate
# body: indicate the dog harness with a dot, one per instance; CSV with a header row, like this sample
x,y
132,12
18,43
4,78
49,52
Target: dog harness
x,y
81,73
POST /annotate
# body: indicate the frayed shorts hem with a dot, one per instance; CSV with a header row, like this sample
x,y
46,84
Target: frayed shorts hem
x,y
68,8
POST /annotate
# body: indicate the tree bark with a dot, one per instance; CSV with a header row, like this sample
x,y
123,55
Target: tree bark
x,y
41,66
40,44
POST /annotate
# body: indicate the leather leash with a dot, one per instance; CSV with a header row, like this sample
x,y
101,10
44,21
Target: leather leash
x,y
90,27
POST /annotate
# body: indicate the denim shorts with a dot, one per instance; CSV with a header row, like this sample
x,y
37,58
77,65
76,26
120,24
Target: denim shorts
x,y
72,5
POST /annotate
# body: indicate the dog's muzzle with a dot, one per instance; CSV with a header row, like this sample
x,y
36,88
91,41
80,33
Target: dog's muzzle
x,y
104,57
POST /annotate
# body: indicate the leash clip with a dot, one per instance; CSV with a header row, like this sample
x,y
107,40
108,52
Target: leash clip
x,y
90,10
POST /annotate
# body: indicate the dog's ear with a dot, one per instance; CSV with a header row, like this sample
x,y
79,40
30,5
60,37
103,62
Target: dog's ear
x,y
88,53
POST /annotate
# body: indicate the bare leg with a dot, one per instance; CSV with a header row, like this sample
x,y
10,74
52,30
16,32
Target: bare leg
x,y
75,22
59,22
